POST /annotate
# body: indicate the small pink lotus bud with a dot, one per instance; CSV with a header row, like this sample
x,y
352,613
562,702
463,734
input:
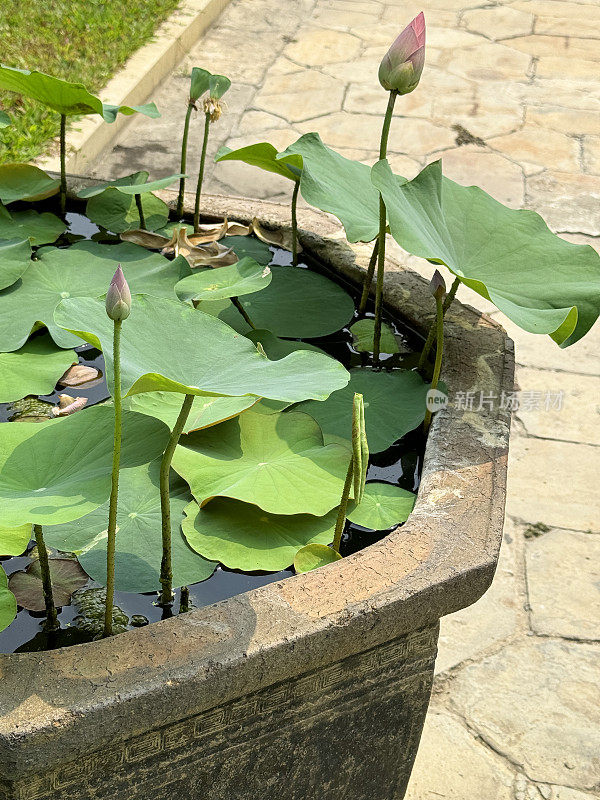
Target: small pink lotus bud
x,y
118,297
402,65
437,286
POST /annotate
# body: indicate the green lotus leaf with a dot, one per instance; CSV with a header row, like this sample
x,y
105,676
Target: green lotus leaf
x,y
139,535
25,182
277,348
14,541
206,411
265,156
243,536
15,259
34,369
169,346
541,282
57,471
8,604
64,97
394,405
243,277
4,120
83,270
133,184
338,185
249,246
383,506
277,462
313,556
363,332
199,82
38,228
118,212
299,303
218,85
27,585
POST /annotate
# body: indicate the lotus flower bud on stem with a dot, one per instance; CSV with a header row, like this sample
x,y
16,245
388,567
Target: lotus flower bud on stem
x,y
118,297
437,286
402,65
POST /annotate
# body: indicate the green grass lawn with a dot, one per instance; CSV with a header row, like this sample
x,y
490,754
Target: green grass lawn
x,y
86,41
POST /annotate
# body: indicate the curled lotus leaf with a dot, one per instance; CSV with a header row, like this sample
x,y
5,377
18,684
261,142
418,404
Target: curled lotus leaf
x,y
15,259
14,541
37,228
313,556
118,212
382,506
136,183
278,237
34,369
205,412
65,574
265,156
25,182
211,254
8,604
243,277
209,233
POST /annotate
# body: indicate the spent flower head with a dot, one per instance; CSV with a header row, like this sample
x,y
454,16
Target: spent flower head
x,y
402,65
437,286
118,297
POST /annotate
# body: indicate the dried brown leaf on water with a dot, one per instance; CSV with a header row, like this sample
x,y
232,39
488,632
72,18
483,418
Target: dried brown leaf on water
x,y
237,229
279,237
209,233
66,576
68,405
79,374
153,241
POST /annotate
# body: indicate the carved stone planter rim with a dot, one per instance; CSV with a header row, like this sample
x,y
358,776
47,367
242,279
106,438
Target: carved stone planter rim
x,y
69,702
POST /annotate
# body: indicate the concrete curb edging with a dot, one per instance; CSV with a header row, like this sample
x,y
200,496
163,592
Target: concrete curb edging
x,y
133,85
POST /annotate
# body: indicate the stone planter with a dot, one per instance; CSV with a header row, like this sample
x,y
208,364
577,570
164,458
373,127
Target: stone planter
x,y
316,686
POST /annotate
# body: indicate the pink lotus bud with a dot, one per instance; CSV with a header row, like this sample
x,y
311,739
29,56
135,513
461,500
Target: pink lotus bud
x,y
402,65
437,286
118,297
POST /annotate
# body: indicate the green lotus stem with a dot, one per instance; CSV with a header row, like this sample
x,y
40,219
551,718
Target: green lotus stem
x,y
138,202
184,144
51,617
184,600
243,312
201,173
385,131
341,517
166,570
295,224
439,351
63,161
369,277
432,330
114,492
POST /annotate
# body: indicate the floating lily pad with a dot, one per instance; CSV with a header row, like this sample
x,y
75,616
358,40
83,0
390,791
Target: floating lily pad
x,y
206,411
313,556
83,270
265,156
136,183
34,369
25,182
277,348
250,247
14,541
363,332
169,346
15,259
383,506
37,228
299,303
65,574
541,282
243,536
277,462
244,277
8,604
60,470
394,405
118,212
139,535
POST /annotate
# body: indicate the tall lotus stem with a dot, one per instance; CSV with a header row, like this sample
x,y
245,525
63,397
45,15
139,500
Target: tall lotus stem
x,y
341,517
207,117
184,144
369,278
118,308
432,330
51,618
357,468
166,570
295,224
63,160
138,202
438,289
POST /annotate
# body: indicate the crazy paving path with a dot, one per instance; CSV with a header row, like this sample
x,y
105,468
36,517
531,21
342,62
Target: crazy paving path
x,y
510,99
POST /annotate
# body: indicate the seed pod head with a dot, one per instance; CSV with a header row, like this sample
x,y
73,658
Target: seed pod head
x,y
118,297
402,65
437,286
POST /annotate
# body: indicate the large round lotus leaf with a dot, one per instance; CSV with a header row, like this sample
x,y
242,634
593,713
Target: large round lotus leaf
x,y
139,535
383,506
8,604
206,411
227,313
37,228
541,282
277,348
395,403
276,461
299,303
83,270
313,556
243,536
118,212
14,541
15,259
27,585
25,182
34,369
169,346
58,471
249,246
243,277
133,184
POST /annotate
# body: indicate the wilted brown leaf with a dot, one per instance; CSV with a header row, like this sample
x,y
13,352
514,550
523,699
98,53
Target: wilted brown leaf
x,y
66,576
79,374
280,237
